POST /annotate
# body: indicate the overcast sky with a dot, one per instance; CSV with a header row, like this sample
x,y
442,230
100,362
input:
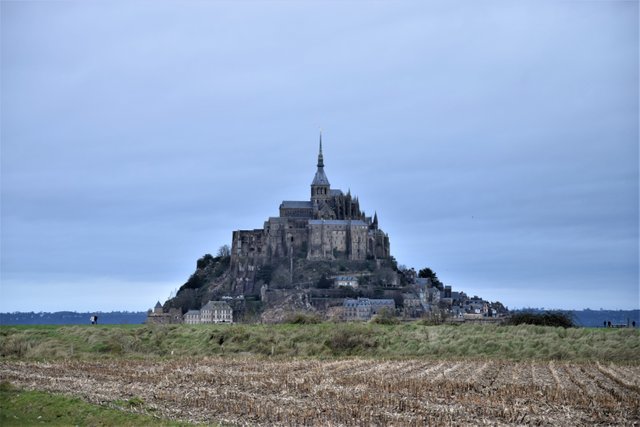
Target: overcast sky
x,y
497,141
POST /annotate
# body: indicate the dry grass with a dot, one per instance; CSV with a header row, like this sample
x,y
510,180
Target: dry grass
x,y
325,340
250,390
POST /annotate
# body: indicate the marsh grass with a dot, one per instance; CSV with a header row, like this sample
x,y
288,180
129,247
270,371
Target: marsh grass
x,y
323,340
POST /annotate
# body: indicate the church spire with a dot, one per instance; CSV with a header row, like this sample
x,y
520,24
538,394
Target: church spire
x,y
320,187
320,157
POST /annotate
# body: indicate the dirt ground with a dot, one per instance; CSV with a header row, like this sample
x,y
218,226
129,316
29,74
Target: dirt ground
x,y
250,391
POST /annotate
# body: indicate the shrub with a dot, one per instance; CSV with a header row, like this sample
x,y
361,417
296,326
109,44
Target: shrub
x,y
385,317
303,319
324,283
204,261
548,318
351,340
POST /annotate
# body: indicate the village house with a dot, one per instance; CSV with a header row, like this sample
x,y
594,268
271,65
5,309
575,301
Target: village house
x,y
192,317
350,281
365,308
216,312
211,312
412,305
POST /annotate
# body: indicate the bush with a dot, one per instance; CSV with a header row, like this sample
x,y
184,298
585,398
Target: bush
x,y
324,283
548,318
385,317
303,319
194,282
204,261
351,340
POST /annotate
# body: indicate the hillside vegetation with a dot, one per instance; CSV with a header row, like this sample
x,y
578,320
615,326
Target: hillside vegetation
x,y
324,340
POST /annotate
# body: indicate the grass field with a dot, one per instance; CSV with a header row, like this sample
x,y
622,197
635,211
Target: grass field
x,y
318,374
326,340
25,408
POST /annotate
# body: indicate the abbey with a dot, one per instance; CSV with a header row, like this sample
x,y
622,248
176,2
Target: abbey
x,y
329,226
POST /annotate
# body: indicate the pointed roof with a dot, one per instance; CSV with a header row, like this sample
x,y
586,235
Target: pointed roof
x,y
320,178
215,305
158,305
320,157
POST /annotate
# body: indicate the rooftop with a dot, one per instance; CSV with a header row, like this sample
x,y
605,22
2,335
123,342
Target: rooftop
x,y
296,204
337,222
216,305
320,178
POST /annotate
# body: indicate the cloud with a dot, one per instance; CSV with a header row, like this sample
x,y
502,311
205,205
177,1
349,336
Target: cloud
x,y
498,142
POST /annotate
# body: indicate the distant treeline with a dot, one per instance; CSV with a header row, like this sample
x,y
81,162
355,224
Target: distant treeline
x,y
73,318
595,318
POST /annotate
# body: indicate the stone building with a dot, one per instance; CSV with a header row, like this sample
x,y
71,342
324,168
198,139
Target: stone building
x,y
349,281
366,308
328,226
211,312
216,312
192,317
159,316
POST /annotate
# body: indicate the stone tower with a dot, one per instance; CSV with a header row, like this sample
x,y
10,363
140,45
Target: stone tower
x,y
320,187
329,226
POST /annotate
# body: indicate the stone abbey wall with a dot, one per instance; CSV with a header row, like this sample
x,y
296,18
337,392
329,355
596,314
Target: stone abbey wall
x,y
337,239
327,227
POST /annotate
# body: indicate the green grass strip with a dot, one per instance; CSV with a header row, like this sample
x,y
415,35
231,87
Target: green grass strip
x,y
31,408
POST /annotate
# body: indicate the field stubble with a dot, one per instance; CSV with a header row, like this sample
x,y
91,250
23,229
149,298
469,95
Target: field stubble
x,y
349,391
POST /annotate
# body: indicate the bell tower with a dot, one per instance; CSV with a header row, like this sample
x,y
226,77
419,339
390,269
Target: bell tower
x,y
320,187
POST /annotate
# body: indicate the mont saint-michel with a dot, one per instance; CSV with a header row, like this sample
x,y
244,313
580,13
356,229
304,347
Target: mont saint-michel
x,y
328,227
323,256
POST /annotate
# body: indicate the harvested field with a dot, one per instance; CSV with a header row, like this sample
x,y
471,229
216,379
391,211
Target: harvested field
x,y
348,392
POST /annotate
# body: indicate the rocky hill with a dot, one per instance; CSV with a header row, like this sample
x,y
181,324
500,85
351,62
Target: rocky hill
x,y
312,257
280,289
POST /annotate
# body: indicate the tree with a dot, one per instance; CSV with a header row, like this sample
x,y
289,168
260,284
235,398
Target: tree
x,y
224,251
398,299
204,261
427,273
324,283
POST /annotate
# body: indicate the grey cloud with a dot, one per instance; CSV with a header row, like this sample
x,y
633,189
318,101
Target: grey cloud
x,y
497,141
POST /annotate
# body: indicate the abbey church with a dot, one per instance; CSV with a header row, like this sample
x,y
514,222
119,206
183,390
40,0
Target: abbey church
x,y
329,226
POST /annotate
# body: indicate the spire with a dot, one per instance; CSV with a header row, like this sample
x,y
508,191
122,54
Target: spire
x,y
320,157
321,178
